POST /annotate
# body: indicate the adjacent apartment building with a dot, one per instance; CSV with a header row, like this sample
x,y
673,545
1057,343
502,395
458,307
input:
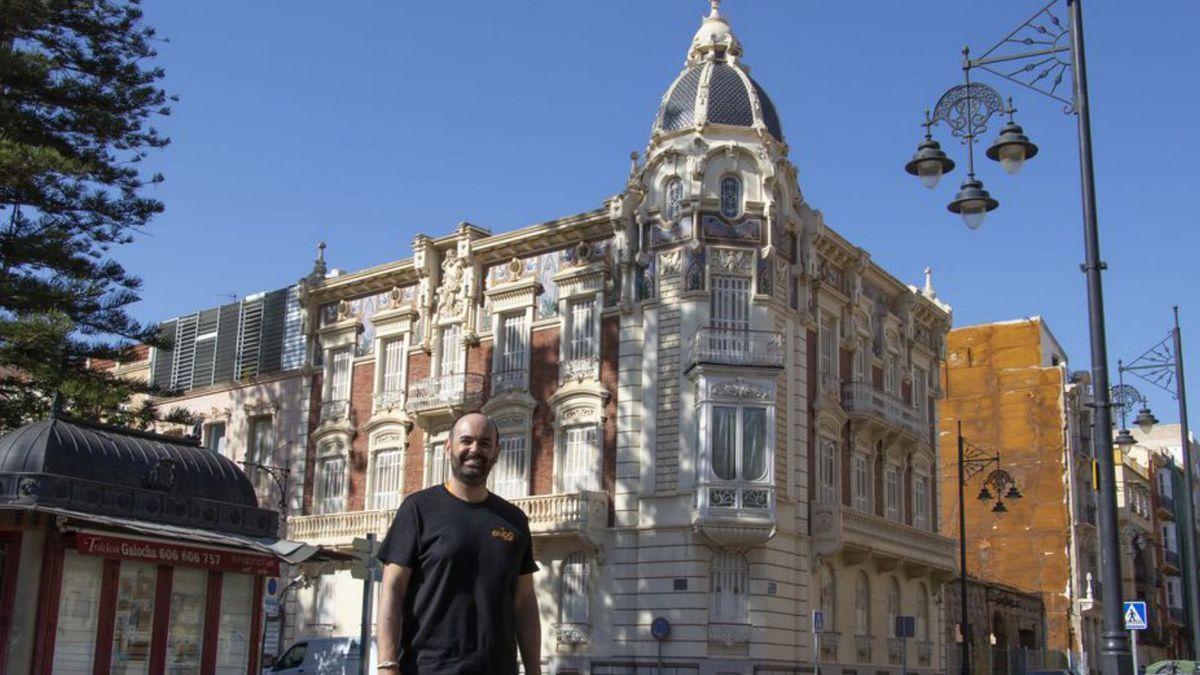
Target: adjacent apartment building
x,y
1010,387
713,407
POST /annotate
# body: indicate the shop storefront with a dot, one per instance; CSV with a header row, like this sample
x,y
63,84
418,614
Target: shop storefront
x,y
123,552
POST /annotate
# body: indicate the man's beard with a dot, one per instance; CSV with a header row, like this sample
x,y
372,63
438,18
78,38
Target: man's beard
x,y
469,472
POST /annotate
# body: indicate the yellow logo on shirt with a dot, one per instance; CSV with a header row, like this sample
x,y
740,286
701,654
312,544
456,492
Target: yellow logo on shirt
x,y
506,535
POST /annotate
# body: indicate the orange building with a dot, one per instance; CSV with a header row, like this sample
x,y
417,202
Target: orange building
x,y
1009,385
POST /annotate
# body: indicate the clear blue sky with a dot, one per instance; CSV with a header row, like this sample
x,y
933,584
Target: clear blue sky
x,y
365,123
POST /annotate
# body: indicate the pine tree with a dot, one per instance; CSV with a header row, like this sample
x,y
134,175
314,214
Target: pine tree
x,y
77,95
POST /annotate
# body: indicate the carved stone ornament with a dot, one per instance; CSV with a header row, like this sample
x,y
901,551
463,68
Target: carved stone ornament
x,y
261,407
670,264
583,253
515,269
740,389
451,301
395,297
580,415
343,310
161,476
331,447
388,439
572,633
730,260
509,421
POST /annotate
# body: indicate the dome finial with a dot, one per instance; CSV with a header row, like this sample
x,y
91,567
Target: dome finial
x,y
715,10
928,290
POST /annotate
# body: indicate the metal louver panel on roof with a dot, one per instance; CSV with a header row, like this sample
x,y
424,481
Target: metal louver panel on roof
x,y
271,336
227,340
206,348
183,357
293,332
249,338
162,359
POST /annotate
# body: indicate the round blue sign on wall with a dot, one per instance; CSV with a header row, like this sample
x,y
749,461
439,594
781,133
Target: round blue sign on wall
x,y
272,586
660,629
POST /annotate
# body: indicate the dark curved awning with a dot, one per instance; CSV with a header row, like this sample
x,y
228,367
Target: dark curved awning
x,y
105,470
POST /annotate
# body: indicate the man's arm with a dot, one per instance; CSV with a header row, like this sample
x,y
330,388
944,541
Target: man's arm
x,y
391,611
529,625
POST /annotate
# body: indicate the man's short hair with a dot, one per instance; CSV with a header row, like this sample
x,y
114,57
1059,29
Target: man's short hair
x,y
491,425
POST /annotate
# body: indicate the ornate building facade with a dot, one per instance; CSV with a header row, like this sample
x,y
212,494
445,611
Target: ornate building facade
x,y
713,407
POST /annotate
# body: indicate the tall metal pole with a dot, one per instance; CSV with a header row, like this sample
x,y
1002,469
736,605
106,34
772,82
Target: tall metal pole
x,y
364,637
965,653
1189,529
1115,656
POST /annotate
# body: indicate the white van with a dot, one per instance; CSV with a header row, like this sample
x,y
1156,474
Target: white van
x,y
321,656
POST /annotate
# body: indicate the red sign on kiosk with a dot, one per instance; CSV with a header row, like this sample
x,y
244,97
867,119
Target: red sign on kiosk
x,y
173,554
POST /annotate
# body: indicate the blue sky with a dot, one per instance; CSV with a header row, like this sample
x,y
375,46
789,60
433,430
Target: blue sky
x,y
364,123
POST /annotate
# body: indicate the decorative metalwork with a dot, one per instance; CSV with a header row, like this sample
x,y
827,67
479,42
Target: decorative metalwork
x,y
1124,398
966,109
1040,51
722,497
731,196
1157,365
756,499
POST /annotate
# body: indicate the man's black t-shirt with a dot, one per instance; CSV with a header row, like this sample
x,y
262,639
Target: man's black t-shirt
x,y
465,559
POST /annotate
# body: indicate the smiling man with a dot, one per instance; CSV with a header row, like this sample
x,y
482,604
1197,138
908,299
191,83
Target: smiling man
x,y
457,592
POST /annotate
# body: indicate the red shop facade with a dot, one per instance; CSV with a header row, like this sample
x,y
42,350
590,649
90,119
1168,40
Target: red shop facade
x,y
128,552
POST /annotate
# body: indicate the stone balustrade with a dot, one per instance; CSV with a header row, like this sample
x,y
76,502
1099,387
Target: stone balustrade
x,y
840,529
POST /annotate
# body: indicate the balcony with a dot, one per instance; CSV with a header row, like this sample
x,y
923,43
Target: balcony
x,y
582,514
862,648
444,397
1167,503
742,348
735,514
1176,614
924,652
333,411
510,381
895,647
862,401
1171,558
858,536
388,401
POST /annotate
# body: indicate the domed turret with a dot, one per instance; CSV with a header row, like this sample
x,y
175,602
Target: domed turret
x,y
714,87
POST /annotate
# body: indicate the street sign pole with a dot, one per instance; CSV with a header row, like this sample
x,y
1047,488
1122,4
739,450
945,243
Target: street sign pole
x,y
1135,620
364,638
1133,643
818,624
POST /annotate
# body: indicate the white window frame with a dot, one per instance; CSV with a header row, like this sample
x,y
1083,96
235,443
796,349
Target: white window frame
x,y
1170,536
894,604
341,368
332,484
830,345
862,604
574,592
579,460
388,454
514,341
437,465
1174,591
255,454
1165,488
393,355
893,493
922,612
859,365
219,443
827,470
451,351
584,342
673,198
729,588
862,480
739,451
513,449
921,489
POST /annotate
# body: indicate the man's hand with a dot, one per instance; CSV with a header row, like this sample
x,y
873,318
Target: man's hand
x,y
392,590
529,625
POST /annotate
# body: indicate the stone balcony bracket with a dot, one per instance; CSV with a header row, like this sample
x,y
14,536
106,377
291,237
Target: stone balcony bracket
x,y
735,515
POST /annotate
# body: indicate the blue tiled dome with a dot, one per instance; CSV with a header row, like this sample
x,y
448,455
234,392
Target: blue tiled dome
x,y
728,97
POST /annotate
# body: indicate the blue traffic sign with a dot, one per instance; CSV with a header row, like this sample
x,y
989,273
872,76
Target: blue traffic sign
x,y
660,629
818,622
1135,615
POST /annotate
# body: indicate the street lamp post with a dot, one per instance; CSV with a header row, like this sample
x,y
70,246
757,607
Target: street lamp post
x,y
1162,366
971,461
1034,53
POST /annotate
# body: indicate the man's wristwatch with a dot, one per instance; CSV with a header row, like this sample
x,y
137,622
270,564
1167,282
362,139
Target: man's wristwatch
x,y
388,665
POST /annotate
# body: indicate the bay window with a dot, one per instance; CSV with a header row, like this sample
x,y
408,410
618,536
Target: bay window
x,y
827,473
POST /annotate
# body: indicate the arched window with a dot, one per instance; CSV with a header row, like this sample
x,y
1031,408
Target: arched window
x,y
731,196
862,605
922,612
573,591
828,597
729,592
674,201
893,605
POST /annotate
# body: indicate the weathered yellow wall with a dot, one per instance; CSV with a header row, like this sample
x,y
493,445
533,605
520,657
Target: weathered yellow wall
x,y
1007,402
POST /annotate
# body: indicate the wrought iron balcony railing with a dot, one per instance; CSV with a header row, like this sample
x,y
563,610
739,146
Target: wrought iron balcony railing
x,y
504,381
389,400
456,390
335,410
755,348
1171,558
1166,503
